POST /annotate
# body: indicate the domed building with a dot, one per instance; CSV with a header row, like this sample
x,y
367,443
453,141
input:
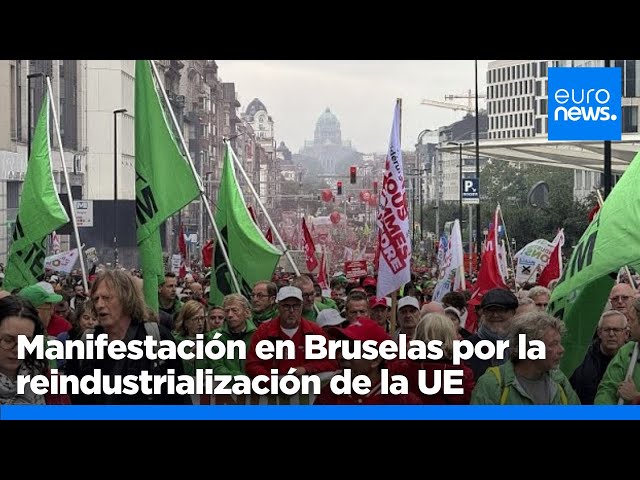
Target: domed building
x,y
327,147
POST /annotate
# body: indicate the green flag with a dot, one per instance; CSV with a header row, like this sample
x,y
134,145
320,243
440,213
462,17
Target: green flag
x,y
164,180
253,258
39,213
611,241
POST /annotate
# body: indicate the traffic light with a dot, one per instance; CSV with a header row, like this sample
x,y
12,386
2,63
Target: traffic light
x,y
352,175
339,188
375,188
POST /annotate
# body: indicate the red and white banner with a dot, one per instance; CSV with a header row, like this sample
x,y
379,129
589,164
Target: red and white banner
x,y
489,276
309,248
355,269
553,270
392,219
61,262
323,278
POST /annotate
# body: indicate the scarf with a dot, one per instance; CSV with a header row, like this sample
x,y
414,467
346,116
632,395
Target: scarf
x,y
485,334
262,317
9,390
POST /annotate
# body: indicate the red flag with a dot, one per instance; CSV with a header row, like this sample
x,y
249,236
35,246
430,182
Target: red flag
x,y
182,246
207,254
309,248
553,269
269,235
593,212
489,276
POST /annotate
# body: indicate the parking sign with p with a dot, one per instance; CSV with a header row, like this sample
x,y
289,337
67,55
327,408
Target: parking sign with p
x,y
470,190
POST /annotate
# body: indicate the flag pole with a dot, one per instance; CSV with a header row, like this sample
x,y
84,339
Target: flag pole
x,y
634,355
513,268
274,230
72,207
203,196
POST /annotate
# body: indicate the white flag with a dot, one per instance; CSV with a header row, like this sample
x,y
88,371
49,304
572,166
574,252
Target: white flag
x,y
61,262
452,269
394,244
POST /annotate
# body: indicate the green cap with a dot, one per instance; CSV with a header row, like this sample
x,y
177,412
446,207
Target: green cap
x,y
39,294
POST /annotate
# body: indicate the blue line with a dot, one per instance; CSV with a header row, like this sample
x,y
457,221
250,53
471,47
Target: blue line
x,y
317,412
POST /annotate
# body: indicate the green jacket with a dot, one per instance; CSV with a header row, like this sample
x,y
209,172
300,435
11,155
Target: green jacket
x,y
312,315
490,391
224,365
614,374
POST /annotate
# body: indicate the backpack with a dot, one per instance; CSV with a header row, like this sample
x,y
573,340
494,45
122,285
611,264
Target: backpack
x,y
151,329
505,389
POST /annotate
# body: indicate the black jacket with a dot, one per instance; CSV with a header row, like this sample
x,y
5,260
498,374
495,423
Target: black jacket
x,y
586,377
110,367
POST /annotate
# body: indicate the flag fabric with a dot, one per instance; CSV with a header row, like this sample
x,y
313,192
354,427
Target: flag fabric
x,y
531,259
592,212
165,182
252,257
323,278
394,243
609,242
451,271
207,253
269,235
61,262
253,214
55,243
553,269
489,276
182,246
40,211
309,248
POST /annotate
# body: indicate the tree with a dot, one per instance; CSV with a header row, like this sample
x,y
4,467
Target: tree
x,y
508,184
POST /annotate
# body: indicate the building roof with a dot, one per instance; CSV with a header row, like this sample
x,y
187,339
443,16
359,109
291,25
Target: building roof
x,y
580,155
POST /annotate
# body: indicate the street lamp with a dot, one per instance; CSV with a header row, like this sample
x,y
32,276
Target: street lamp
x,y
115,185
420,168
460,144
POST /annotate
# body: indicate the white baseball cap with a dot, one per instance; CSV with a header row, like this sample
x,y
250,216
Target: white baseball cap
x,y
404,301
329,317
289,292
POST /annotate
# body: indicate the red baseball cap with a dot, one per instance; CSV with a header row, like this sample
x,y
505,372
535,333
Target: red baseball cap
x,y
362,328
377,302
370,282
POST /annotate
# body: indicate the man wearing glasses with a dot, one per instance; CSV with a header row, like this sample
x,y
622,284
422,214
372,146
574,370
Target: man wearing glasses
x,y
263,301
622,297
614,384
310,308
288,325
612,334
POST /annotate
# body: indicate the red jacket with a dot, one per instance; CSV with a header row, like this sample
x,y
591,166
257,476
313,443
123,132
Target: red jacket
x,y
410,369
58,325
255,366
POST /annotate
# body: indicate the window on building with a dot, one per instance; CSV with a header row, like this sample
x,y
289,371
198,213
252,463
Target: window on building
x,y
629,119
538,125
543,106
543,69
630,79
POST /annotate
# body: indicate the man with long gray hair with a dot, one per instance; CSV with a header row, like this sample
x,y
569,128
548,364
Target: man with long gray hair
x,y
122,315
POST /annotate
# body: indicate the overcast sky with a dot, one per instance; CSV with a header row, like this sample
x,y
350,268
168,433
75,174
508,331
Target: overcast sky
x,y
361,93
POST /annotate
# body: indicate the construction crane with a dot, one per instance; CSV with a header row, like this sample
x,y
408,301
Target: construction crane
x,y
469,108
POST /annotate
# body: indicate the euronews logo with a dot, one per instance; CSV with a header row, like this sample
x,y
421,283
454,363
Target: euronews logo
x,y
585,103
